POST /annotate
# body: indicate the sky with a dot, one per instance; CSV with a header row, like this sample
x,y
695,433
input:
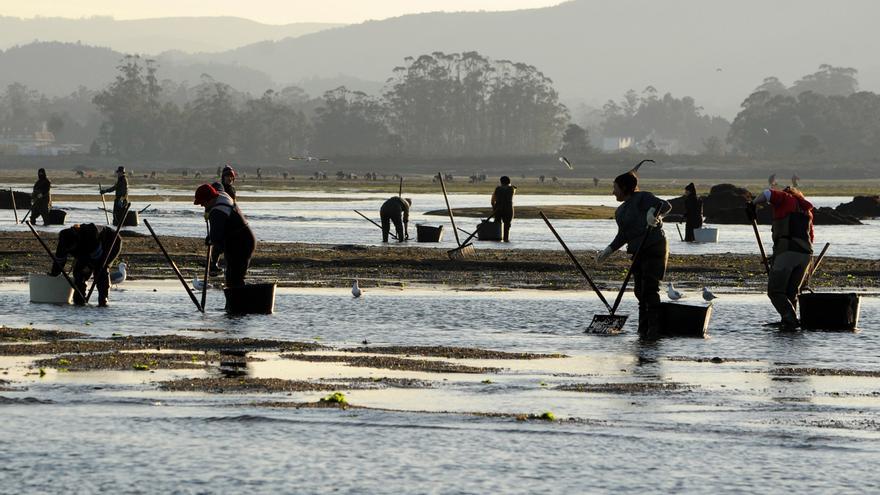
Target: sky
x,y
266,11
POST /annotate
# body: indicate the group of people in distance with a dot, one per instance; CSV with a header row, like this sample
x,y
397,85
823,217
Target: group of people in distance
x,y
395,210
639,221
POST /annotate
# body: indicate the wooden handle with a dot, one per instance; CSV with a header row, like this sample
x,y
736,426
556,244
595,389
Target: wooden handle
x,y
174,267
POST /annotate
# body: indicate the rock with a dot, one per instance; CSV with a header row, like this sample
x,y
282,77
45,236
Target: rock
x,y
861,207
22,200
725,204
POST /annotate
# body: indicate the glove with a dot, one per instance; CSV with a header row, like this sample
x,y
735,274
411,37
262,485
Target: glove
x,y
651,217
601,257
751,211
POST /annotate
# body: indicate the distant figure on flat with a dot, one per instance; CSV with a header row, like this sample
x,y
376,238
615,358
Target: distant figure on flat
x,y
502,204
693,212
396,210
595,182
121,189
227,179
89,245
41,198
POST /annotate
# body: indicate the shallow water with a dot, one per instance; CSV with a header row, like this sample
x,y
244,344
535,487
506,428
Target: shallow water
x,y
740,425
334,222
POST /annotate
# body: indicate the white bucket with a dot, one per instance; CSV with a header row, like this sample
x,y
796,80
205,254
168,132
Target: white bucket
x,y
706,235
47,289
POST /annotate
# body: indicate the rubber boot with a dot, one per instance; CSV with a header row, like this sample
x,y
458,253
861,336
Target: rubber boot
x,y
102,299
649,325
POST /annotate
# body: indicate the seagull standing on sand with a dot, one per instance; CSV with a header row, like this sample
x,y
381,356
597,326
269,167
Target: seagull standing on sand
x,y
707,295
198,284
673,294
119,276
355,290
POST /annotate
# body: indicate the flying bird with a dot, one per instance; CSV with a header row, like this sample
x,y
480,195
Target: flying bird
x,y
355,290
765,130
308,158
119,276
565,162
673,294
707,295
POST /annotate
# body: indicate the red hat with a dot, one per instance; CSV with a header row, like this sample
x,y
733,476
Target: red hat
x,y
204,194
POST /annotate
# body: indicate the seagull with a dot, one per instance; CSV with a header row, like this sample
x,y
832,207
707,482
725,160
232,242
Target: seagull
x,y
765,130
355,290
198,284
565,162
673,294
707,295
119,275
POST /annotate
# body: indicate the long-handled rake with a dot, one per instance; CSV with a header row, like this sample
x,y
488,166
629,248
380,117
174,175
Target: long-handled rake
x,y
465,249
609,324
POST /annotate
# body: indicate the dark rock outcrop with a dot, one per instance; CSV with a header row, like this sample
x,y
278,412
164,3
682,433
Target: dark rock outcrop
x,y
22,200
861,207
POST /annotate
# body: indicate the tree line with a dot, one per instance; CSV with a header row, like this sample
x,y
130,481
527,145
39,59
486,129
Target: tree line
x,y
440,105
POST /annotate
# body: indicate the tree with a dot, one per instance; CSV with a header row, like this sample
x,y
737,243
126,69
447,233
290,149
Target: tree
x,y
576,142
828,80
713,146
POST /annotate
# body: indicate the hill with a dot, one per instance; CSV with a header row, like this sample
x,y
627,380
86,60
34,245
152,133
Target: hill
x,y
151,36
716,51
55,69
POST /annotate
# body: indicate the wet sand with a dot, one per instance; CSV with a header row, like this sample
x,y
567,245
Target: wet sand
x,y
313,265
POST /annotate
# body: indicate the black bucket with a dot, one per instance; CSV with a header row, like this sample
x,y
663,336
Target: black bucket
x,y
131,220
684,320
489,231
838,311
428,233
250,299
56,217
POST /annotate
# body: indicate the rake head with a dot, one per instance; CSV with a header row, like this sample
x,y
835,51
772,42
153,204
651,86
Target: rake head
x,y
460,253
606,324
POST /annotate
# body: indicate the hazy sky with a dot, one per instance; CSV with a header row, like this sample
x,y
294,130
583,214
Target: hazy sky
x,y
268,11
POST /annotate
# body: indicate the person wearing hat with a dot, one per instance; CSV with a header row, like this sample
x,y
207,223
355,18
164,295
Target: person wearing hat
x,y
793,238
640,211
121,190
227,178
396,210
693,212
88,244
502,205
229,232
41,198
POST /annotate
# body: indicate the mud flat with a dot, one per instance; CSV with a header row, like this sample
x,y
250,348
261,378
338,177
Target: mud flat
x,y
312,265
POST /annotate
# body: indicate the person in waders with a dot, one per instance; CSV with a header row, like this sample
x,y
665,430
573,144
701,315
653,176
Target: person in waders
x,y
227,178
41,198
792,248
88,244
395,210
121,190
502,205
693,212
230,233
639,211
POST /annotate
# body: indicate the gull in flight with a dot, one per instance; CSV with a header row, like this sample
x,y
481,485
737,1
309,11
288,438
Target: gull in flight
x,y
707,295
565,162
355,290
308,158
673,294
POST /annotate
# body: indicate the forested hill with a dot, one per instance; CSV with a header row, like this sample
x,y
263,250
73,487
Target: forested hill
x,y
153,36
57,69
713,50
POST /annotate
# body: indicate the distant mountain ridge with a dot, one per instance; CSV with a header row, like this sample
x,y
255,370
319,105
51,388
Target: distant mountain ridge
x,y
714,50
151,36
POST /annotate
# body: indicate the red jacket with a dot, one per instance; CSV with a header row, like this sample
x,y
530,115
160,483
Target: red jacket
x,y
785,203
